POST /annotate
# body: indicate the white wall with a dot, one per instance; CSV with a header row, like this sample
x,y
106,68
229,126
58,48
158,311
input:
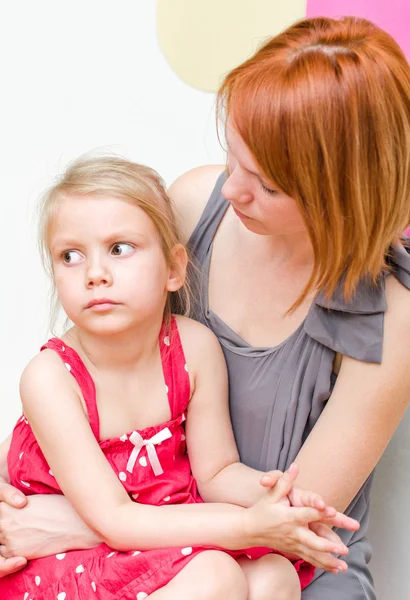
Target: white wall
x,y
76,76
86,74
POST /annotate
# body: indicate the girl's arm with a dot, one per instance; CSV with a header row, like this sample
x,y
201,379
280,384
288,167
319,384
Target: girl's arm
x,y
52,405
213,454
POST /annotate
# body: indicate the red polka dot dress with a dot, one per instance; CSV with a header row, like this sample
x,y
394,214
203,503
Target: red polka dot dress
x,y
152,465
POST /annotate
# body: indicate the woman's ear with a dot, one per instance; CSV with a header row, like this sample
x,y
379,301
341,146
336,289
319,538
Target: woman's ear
x,y
177,268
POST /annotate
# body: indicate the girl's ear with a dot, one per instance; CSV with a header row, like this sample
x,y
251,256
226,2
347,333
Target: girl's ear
x,y
177,268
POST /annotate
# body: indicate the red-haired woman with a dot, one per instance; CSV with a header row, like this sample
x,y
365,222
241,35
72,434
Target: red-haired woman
x,y
305,279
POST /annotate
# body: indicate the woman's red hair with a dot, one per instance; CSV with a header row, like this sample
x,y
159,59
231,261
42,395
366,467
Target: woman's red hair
x,y
324,107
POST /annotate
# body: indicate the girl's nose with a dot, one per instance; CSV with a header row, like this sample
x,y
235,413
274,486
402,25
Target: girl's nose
x,y
98,274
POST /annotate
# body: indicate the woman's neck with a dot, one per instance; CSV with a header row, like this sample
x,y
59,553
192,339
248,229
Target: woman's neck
x,y
293,250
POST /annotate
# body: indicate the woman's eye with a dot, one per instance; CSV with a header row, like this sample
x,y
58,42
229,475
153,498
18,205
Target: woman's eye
x,y
268,190
71,257
122,249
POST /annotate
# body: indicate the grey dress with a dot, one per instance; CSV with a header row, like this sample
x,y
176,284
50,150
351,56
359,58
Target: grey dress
x,y
277,394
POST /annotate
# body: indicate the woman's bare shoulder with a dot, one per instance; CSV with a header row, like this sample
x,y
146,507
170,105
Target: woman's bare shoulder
x,y
189,194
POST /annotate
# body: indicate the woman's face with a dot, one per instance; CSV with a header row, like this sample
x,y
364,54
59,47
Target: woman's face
x,y
261,206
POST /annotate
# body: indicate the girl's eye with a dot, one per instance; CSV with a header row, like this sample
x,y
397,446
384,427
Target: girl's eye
x,y
268,190
121,249
71,257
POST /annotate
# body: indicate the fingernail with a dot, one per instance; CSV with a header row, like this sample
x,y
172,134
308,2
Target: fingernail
x,y
17,499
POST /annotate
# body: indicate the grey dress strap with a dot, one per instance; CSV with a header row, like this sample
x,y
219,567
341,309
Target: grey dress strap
x,y
355,327
202,237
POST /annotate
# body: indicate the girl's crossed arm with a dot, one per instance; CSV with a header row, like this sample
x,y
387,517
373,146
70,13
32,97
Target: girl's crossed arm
x,y
53,407
212,450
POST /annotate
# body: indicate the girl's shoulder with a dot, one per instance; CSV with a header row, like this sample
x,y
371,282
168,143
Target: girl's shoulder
x,y
190,193
45,371
194,334
198,342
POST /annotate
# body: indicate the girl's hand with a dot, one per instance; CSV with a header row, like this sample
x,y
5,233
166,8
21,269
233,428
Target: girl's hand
x,y
275,525
303,498
47,525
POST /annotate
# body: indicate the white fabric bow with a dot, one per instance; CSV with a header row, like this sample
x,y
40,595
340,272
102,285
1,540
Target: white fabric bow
x,y
139,442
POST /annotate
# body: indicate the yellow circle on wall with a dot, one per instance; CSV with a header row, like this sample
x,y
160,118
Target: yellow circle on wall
x,y
204,39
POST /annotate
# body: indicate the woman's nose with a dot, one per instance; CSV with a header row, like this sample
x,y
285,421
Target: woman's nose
x,y
235,189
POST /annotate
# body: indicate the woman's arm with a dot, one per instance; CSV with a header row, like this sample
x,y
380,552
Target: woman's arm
x,y
46,525
36,526
53,408
366,406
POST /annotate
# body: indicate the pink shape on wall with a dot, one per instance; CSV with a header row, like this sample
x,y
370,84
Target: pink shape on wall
x,y
391,15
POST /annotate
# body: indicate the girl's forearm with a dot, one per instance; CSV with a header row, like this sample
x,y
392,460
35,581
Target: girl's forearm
x,y
135,526
235,484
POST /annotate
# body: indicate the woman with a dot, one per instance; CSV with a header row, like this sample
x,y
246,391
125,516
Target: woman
x,y
304,278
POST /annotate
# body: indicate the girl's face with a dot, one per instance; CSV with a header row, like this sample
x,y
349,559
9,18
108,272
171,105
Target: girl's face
x,y
109,268
261,206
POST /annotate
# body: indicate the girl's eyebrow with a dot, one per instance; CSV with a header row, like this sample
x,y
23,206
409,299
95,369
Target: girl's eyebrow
x,y
115,236
124,235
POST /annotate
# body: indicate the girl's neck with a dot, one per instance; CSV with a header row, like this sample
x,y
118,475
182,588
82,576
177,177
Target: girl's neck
x,y
129,350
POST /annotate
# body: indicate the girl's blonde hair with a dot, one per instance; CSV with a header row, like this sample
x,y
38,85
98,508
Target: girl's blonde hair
x,y
324,107
120,178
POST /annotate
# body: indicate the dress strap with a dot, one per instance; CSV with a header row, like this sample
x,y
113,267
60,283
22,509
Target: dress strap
x,y
202,237
355,327
80,373
174,368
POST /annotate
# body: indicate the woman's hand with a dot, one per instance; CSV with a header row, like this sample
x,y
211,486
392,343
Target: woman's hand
x,y
10,496
46,525
273,523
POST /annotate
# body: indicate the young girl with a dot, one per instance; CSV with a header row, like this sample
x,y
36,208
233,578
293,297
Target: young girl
x,y
106,418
